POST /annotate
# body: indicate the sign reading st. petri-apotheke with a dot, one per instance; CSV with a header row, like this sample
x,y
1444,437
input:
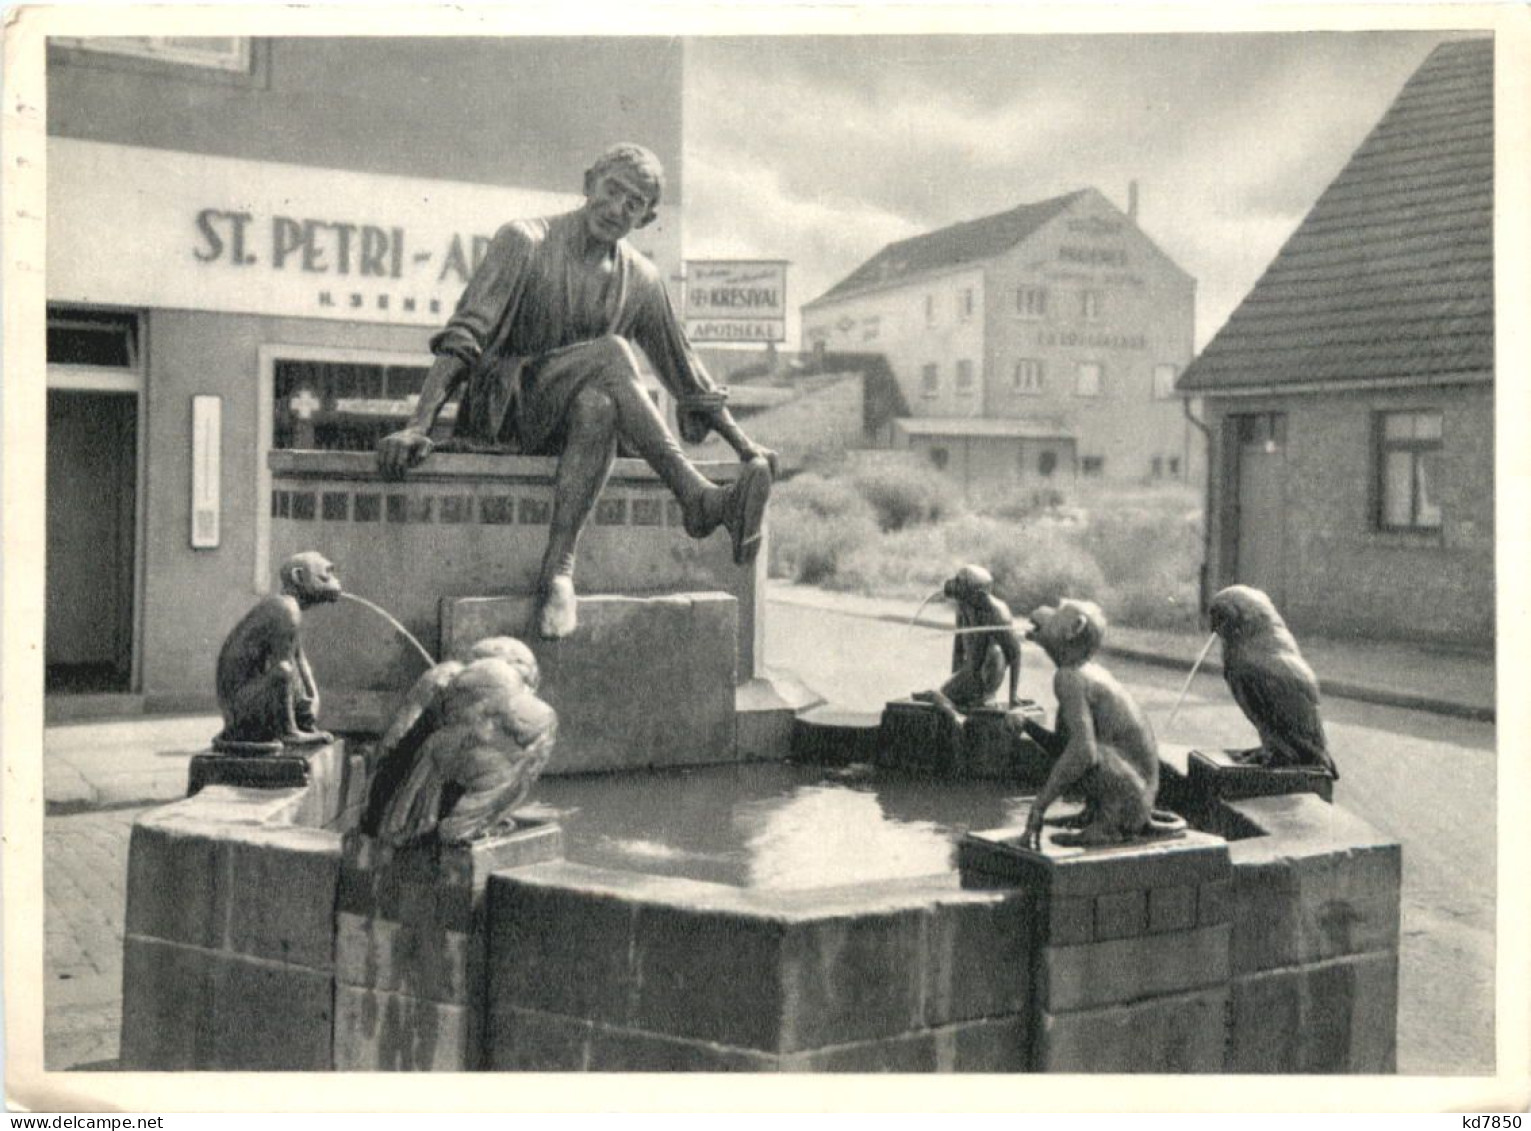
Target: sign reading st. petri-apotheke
x,y
159,228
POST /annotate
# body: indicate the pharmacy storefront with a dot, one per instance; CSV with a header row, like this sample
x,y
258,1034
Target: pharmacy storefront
x,y
202,311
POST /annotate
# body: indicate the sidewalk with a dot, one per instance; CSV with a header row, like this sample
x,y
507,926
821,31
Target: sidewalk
x,y
1460,684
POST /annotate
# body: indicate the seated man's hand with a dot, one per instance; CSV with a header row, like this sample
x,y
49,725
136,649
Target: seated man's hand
x,y
399,451
751,451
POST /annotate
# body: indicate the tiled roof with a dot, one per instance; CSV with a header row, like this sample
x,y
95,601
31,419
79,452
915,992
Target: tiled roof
x,y
968,242
1392,272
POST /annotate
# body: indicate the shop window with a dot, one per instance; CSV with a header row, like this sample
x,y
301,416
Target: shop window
x,y
92,337
1408,474
1093,466
345,405
965,378
940,457
1164,382
1089,305
1087,379
1028,376
930,380
1031,302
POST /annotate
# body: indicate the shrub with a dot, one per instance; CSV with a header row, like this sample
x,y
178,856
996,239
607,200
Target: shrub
x,y
1166,603
908,563
906,493
815,523
818,495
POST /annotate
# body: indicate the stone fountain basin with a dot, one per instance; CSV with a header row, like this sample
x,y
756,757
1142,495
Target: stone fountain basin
x,y
261,935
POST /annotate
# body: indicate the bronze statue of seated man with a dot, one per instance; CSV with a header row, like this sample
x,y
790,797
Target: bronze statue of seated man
x,y
542,342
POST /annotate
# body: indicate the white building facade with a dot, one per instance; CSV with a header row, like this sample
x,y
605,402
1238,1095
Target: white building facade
x,y
1061,317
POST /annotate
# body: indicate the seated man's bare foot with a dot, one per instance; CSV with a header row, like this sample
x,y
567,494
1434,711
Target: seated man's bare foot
x,y
557,614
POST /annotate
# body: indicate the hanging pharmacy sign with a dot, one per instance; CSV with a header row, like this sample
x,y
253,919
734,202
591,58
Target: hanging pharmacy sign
x,y
736,300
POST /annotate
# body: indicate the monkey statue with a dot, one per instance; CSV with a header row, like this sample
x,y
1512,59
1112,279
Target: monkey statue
x,y
464,749
1270,681
1104,747
266,689
980,658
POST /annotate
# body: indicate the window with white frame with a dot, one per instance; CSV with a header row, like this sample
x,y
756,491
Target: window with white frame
x,y
1089,305
1164,382
1031,302
930,380
965,377
221,53
1087,379
1028,376
965,303
1408,470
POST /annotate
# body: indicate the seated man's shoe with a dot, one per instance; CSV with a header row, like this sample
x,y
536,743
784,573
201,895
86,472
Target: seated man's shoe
x,y
739,508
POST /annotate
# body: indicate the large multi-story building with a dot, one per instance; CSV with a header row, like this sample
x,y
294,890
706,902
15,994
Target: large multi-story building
x,y
1032,345
250,243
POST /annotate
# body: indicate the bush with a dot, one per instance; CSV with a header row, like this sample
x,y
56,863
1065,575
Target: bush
x,y
906,493
1169,604
815,523
1144,538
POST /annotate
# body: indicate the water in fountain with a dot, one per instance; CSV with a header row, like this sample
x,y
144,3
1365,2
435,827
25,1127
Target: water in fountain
x,y
1205,648
386,615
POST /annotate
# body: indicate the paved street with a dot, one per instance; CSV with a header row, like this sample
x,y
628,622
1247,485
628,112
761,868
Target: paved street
x,y
1424,779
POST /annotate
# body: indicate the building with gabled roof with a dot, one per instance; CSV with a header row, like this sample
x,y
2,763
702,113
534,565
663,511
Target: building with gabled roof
x,y
1350,396
1059,318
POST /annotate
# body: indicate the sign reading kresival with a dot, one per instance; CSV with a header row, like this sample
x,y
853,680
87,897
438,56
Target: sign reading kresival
x,y
736,300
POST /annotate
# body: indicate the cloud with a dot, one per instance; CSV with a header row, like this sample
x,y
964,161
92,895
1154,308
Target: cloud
x,y
822,150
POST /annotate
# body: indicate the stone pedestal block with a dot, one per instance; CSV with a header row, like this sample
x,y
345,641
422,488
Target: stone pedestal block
x,y
1215,775
766,710
330,778
916,738
1131,942
833,736
988,742
410,948
464,525
644,682
994,745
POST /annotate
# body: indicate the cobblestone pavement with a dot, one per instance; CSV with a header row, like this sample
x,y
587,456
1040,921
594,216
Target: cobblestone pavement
x,y
85,872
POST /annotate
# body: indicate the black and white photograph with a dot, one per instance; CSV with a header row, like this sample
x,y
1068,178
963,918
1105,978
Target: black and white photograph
x,y
962,547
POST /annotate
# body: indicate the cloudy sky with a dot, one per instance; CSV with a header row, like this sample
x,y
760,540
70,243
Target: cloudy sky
x,y
820,150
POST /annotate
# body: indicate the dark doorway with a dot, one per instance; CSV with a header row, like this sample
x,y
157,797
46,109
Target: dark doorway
x,y
92,489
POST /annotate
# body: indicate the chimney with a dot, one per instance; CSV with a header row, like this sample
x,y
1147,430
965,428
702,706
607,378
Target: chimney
x,y
1132,201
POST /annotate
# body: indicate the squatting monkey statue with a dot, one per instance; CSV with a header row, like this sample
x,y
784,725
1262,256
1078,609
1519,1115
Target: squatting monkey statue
x,y
1104,746
1270,681
464,749
266,689
984,648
